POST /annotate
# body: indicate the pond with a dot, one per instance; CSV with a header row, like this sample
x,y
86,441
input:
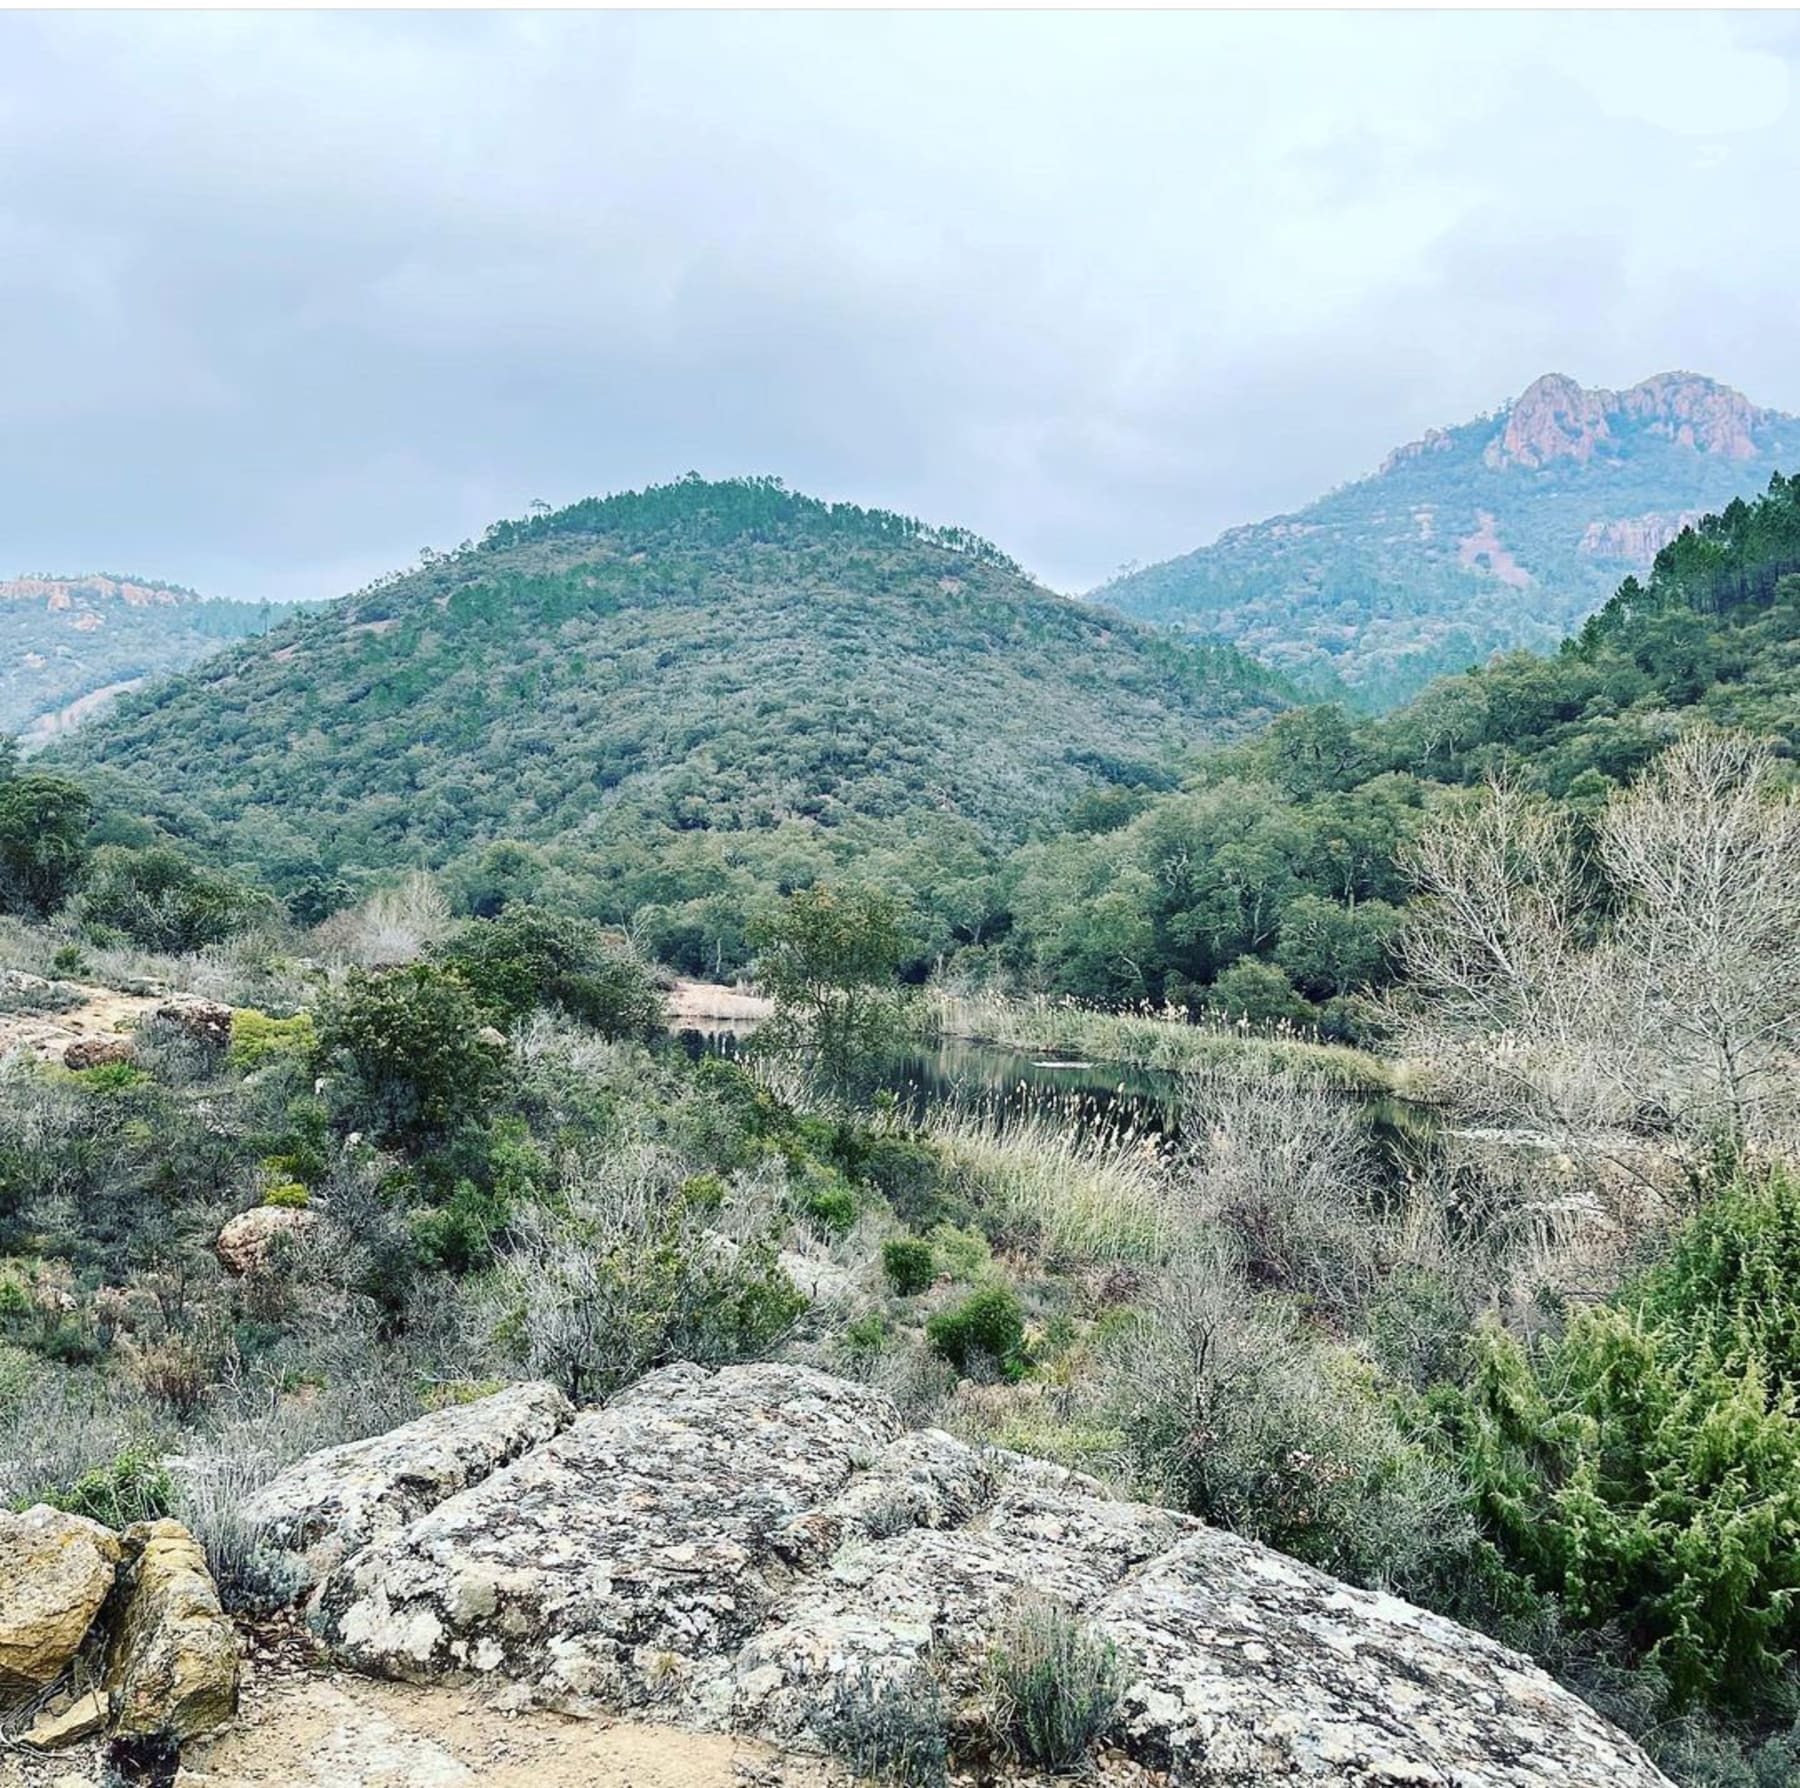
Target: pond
x,y
1006,1084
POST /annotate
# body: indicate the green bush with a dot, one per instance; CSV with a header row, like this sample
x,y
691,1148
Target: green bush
x,y
986,1327
257,1039
134,1487
909,1263
824,1198
407,1040
889,1728
162,901
1057,1685
527,958
289,1196
1643,1470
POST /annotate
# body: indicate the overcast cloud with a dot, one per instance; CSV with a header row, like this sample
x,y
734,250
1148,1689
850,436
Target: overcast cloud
x,y
285,297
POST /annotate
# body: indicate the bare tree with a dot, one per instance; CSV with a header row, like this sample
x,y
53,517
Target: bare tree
x,y
1658,993
1704,853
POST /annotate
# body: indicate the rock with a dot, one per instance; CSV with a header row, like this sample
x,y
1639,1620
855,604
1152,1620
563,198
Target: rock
x,y
733,1547
490,1036
55,1572
204,1021
83,1717
818,1281
172,1664
648,1540
245,1244
334,1503
95,1052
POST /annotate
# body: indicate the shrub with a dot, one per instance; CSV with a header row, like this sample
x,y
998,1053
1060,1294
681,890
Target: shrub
x,y
1230,1410
289,1196
827,1201
408,1040
526,958
1643,1469
1056,1684
162,901
986,1329
134,1487
257,1039
889,1728
909,1263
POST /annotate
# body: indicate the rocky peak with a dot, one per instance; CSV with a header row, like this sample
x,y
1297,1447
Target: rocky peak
x,y
62,595
1556,418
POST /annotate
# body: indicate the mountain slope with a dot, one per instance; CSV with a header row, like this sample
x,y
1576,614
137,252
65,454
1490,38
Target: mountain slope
x,y
1504,532
728,662
67,644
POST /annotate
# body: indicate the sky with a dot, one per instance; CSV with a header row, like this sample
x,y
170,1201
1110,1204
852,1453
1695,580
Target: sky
x,y
286,297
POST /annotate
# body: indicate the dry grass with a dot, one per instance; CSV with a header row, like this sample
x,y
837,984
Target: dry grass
x,y
1073,1194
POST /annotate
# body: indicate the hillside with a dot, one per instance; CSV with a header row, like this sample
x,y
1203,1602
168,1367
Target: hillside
x,y
1504,532
69,644
715,675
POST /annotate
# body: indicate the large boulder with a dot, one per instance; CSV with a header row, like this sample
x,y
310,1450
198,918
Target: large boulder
x,y
336,1502
744,1548
246,1243
172,1663
206,1022
651,1537
55,1572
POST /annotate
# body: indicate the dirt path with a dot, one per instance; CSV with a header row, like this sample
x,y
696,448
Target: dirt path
x,y
103,1012
330,1731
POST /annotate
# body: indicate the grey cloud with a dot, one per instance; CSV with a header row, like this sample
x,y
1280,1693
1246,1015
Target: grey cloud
x,y
285,296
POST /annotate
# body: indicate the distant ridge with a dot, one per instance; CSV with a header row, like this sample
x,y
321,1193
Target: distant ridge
x,y
68,644
1501,532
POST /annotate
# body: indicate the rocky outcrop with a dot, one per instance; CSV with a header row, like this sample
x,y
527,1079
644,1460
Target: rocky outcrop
x,y
95,1052
246,1243
1633,540
729,1549
201,1021
1555,418
55,1572
172,1662
334,1503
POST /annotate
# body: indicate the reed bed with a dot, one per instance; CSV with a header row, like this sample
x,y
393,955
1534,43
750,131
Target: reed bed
x,y
1074,1193
1161,1038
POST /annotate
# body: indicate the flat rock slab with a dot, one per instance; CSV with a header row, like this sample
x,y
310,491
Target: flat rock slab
x,y
649,1535
332,1504
730,1549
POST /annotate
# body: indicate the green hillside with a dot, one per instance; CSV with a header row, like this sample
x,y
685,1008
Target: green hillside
x,y
1272,881
1505,532
669,699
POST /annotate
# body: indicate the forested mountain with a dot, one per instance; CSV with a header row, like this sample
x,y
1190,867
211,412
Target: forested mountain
x,y
673,699
68,644
1507,531
1271,882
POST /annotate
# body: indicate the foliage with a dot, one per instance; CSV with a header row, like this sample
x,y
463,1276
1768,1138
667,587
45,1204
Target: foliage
x,y
984,1333
828,957
162,900
1643,1468
43,841
909,1263
1057,1685
889,1728
257,1039
525,958
407,1040
134,1487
